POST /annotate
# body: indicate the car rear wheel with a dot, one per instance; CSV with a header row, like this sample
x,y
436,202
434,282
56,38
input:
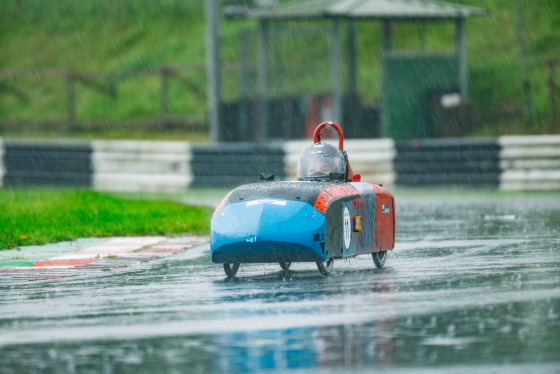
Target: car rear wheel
x,y
379,258
325,267
231,269
285,265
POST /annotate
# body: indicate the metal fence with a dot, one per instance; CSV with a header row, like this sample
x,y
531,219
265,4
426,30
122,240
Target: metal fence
x,y
64,84
554,90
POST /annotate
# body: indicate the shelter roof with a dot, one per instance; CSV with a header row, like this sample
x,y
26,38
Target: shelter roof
x,y
367,9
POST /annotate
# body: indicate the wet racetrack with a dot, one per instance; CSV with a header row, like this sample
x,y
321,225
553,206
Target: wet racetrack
x,y
472,286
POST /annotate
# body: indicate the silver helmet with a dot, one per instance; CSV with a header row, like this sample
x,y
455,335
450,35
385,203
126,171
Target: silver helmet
x,y
321,162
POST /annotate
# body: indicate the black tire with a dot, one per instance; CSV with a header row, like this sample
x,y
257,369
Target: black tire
x,y
231,269
379,258
325,267
285,265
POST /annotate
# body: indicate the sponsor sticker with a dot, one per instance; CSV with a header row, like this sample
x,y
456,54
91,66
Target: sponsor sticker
x,y
357,223
274,202
386,209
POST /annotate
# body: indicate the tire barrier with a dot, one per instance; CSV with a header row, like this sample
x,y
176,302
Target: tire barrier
x,y
507,163
530,162
141,165
233,164
46,164
445,162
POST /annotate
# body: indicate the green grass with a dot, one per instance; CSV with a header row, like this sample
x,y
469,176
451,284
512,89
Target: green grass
x,y
38,216
111,35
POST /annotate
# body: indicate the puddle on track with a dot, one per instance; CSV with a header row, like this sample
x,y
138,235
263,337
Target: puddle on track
x,y
472,286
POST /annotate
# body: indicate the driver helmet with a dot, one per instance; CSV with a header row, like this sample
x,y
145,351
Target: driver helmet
x,y
319,161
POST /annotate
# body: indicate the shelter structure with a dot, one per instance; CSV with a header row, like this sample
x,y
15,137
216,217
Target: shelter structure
x,y
408,78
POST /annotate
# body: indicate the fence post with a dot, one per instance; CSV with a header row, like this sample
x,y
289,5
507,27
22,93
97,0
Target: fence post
x,y
71,99
552,91
164,75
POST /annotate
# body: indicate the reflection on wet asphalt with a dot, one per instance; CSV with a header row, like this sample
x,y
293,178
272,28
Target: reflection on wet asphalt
x,y
473,285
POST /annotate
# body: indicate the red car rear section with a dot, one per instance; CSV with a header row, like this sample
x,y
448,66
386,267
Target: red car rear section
x,y
385,210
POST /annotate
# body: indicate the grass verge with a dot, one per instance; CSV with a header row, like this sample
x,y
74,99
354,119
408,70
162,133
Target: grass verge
x,y
39,216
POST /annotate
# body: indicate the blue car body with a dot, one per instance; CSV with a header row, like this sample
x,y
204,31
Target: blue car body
x,y
268,230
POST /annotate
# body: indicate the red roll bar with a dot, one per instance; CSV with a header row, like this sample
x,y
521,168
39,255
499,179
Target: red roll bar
x,y
317,138
317,134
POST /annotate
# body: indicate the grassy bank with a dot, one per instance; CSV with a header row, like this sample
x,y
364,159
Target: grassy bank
x,y
116,35
41,216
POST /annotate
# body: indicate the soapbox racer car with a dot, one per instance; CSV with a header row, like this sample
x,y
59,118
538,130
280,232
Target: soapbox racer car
x,y
327,214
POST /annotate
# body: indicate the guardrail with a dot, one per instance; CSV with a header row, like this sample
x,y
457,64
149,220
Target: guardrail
x,y
507,163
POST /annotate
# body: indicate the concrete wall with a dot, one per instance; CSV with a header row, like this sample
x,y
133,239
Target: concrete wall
x,y
508,163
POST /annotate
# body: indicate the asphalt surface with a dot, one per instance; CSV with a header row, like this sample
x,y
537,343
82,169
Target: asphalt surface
x,y
473,285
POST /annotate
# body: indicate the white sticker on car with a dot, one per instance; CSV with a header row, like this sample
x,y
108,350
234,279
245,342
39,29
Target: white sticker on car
x,y
347,226
275,202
